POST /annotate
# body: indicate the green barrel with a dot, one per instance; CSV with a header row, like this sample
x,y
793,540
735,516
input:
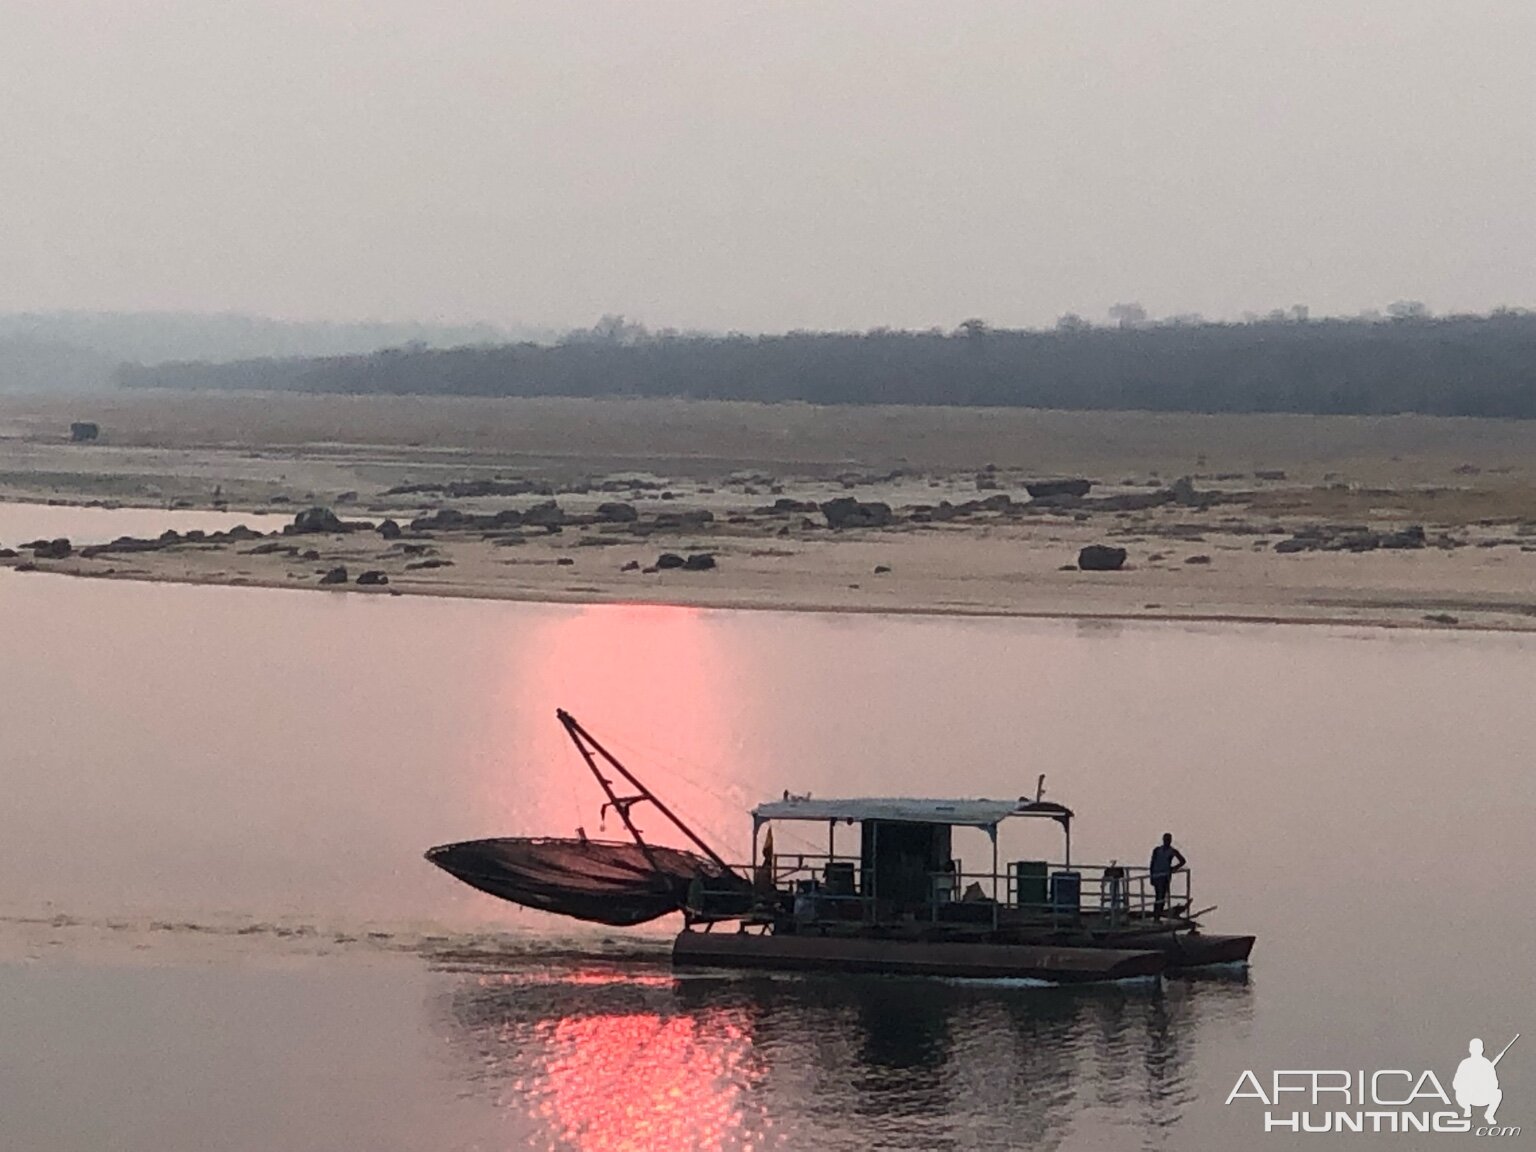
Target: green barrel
x,y
1029,883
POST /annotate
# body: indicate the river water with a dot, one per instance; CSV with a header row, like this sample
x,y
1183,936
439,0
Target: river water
x,y
217,930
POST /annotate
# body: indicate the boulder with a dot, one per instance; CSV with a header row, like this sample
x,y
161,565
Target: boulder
x,y
1046,503
316,519
847,512
1351,538
617,512
699,562
82,431
123,544
670,560
547,514
1183,492
1101,558
444,519
1410,537
689,518
389,530
52,549
513,487
1046,489
631,566
1362,541
373,577
337,575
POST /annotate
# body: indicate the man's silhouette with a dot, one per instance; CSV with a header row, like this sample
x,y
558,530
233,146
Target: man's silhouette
x,y
1166,860
1477,1083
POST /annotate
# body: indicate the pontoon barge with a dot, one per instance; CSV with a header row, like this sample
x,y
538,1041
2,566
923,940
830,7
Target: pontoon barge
x,y
902,904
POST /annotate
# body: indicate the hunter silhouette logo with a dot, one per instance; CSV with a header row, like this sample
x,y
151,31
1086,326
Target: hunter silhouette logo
x,y
1477,1081
1381,1100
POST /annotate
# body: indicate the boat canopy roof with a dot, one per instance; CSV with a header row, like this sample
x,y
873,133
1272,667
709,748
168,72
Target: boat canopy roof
x,y
971,813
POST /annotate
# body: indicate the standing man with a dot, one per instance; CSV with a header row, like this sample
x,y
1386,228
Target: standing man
x,y
1166,860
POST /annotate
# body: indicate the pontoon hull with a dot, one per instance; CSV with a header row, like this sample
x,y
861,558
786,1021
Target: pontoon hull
x,y
1199,950
1181,949
913,957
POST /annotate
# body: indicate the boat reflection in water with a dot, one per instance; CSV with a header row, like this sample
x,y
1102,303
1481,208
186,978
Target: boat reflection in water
x,y
599,1057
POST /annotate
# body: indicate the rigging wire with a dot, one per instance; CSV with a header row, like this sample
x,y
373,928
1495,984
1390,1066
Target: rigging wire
x,y
657,758
570,788
664,761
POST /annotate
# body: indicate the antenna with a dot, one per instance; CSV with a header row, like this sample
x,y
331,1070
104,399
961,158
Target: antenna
x,y
1040,788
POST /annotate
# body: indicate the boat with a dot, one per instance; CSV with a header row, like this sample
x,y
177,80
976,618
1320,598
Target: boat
x,y
902,903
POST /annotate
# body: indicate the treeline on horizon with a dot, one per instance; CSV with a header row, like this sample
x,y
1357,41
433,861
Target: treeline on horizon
x,y
1411,362
81,351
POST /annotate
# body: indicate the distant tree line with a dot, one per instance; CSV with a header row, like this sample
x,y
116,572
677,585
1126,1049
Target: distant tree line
x,y
80,351
147,337
1285,362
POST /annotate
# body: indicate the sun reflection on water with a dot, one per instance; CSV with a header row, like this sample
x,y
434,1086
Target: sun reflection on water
x,y
619,1082
654,686
612,1078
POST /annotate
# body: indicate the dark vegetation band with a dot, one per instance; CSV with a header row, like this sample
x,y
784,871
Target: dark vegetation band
x,y
1453,366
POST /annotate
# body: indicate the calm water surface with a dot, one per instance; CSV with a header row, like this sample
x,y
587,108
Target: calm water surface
x,y
20,523
218,931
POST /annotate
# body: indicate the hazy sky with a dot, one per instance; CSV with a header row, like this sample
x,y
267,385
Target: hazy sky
x,y
721,164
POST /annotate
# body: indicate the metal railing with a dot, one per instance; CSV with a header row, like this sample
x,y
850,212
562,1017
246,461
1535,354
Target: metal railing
x,y
831,887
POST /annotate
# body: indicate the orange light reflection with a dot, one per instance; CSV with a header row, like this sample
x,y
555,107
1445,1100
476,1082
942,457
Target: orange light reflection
x,y
645,1081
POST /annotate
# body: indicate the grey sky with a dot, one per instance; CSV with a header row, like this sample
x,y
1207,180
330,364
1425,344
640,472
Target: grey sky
x,y
763,166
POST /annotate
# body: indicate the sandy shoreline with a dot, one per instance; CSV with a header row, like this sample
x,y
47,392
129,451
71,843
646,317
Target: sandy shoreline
x,y
1364,615
1438,532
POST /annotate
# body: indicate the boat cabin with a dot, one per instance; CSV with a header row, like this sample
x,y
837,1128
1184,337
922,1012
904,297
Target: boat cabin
x,y
907,872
